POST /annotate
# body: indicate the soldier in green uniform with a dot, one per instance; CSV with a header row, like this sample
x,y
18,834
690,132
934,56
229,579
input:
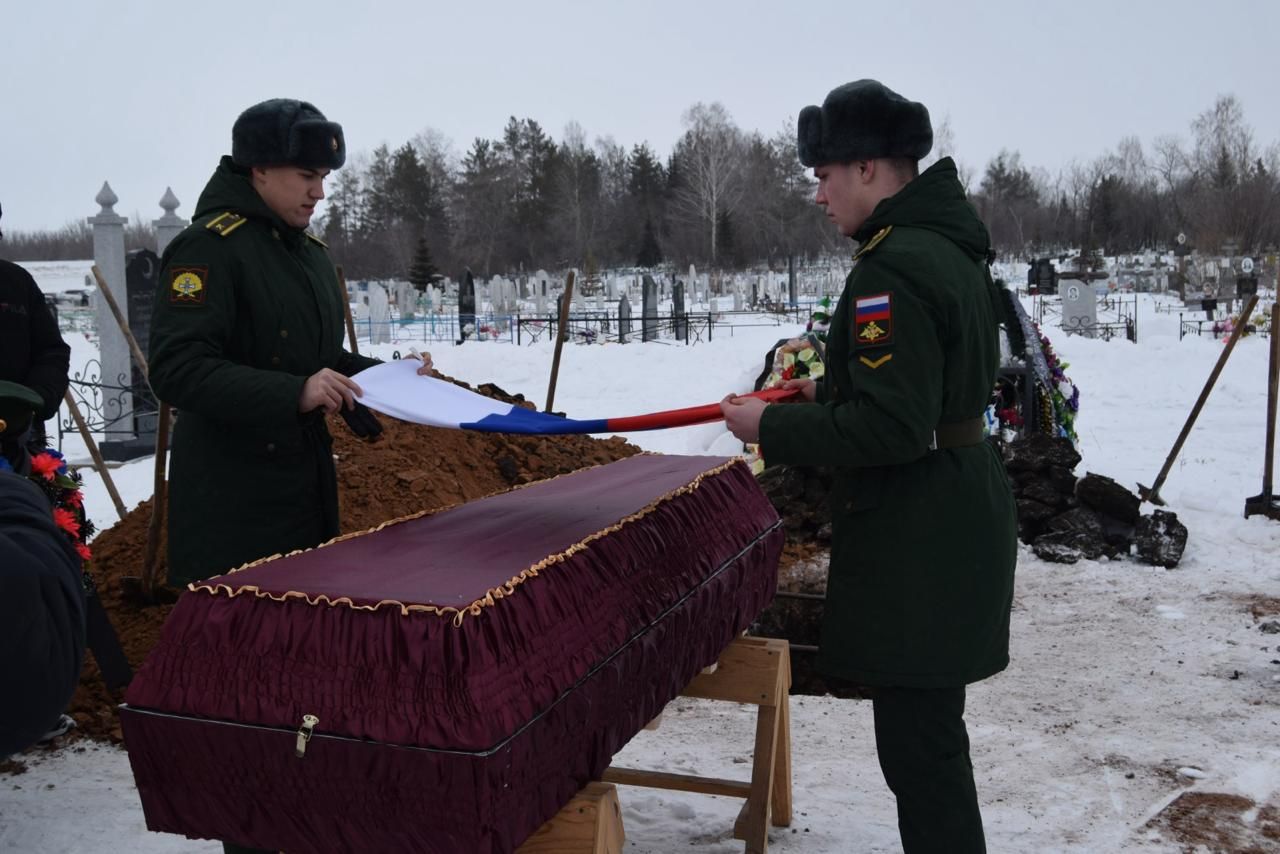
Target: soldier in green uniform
x,y
246,344
924,544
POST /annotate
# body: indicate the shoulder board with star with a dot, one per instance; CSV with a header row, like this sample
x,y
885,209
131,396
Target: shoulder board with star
x,y
225,223
873,242
316,239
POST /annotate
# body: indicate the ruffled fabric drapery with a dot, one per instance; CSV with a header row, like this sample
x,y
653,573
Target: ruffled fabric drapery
x,y
470,669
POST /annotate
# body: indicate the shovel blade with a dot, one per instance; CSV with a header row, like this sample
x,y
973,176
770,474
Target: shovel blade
x,y
1146,493
1265,504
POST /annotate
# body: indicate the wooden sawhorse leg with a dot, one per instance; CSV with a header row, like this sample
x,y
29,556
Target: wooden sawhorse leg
x,y
591,823
755,671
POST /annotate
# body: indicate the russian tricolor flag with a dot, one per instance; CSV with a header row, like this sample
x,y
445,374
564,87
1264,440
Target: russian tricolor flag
x,y
867,309
396,389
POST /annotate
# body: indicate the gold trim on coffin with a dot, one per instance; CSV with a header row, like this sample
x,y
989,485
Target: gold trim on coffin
x,y
476,607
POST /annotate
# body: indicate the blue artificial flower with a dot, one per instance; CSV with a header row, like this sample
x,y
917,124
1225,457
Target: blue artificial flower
x,y
57,455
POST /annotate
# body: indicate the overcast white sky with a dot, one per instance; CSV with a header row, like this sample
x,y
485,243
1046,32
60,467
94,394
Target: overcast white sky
x,y
143,94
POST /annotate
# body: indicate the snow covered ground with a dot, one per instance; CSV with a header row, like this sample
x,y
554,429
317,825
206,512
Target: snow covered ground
x,y
1129,684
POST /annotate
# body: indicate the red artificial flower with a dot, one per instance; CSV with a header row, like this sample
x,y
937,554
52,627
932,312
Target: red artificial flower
x,y
45,465
74,497
788,372
1011,416
83,551
67,521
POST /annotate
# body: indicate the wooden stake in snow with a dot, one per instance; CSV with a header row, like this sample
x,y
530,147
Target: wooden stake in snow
x,y
561,332
1152,494
98,462
346,311
1265,504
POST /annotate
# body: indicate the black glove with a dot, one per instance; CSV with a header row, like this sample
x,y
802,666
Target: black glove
x,y
361,421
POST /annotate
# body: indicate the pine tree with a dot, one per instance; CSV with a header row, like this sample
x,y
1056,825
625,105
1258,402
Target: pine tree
x,y
650,253
423,270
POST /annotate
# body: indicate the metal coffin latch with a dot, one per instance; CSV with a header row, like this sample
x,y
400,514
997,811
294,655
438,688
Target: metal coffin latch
x,y
304,734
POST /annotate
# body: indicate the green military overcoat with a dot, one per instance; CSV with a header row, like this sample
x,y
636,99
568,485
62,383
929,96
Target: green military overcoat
x,y
247,308
924,541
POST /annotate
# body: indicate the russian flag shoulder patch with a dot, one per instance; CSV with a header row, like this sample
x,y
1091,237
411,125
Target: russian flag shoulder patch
x,y
873,320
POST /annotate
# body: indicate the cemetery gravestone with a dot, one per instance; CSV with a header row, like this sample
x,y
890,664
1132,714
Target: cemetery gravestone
x,y
405,300
677,305
142,277
649,309
466,307
379,315
624,319
1247,281
1079,306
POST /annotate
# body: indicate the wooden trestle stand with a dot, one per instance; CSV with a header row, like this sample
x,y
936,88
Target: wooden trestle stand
x,y
751,670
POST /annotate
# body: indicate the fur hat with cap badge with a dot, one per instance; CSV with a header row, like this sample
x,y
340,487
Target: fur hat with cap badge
x,y
287,132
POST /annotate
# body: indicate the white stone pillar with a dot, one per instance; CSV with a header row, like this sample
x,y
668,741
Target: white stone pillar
x,y
170,225
117,371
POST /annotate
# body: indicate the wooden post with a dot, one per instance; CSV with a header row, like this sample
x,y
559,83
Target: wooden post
x,y
1273,390
346,311
1152,494
159,501
1265,504
560,334
98,462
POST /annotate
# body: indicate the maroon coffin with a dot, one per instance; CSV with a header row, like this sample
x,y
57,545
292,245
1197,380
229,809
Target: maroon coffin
x,y
467,671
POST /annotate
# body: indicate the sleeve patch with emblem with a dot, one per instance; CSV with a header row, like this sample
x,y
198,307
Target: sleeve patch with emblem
x,y
873,321
187,285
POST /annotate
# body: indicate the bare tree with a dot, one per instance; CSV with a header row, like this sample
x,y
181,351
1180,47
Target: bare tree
x,y
709,157
577,191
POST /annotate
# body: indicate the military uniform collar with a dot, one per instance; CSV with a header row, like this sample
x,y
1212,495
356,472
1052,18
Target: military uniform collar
x,y
230,189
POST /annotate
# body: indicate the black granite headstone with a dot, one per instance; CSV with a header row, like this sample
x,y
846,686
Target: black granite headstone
x,y
141,278
677,307
466,306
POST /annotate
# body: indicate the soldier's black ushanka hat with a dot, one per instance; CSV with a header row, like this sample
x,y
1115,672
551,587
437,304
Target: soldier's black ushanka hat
x,y
863,120
284,131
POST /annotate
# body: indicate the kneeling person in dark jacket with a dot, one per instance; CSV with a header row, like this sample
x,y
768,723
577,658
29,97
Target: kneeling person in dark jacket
x,y
42,600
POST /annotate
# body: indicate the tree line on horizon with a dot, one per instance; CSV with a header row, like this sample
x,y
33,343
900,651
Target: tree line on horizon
x,y
730,199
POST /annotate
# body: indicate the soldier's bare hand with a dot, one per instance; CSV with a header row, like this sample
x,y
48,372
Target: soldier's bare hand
x,y
742,416
427,366
808,388
328,390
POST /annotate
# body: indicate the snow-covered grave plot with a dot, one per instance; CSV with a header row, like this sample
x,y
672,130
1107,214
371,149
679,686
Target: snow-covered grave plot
x,y
1141,710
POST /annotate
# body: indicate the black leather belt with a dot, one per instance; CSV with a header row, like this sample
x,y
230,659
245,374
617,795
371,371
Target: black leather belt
x,y
957,434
